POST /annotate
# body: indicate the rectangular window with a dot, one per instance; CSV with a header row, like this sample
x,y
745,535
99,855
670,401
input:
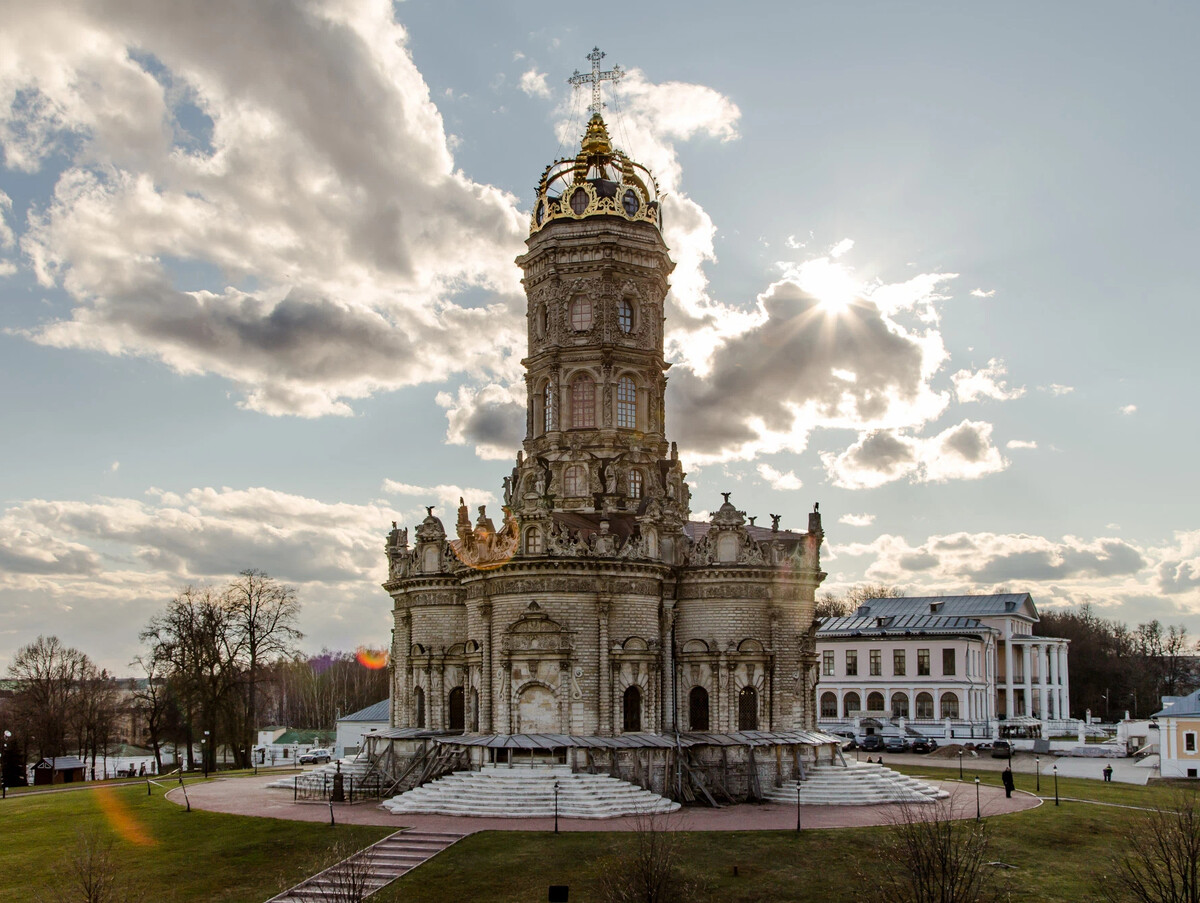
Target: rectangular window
x,y
876,663
923,662
852,662
1189,742
898,662
947,661
827,663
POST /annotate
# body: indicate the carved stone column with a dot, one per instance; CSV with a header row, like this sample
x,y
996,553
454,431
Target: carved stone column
x,y
486,668
401,713
564,696
669,720
605,726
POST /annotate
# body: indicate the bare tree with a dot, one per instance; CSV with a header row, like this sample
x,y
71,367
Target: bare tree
x,y
649,872
347,881
931,857
264,614
839,606
49,675
1160,862
152,700
93,873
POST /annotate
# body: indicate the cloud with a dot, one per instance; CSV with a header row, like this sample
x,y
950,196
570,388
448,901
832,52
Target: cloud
x,y
299,157
7,239
777,480
857,520
1128,409
980,293
491,418
534,84
1020,443
446,495
961,452
1056,389
114,467
986,383
841,247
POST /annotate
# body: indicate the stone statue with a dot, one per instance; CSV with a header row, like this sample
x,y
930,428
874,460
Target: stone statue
x,y
775,519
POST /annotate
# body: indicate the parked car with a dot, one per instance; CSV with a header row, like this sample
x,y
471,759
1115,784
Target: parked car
x,y
896,745
316,756
924,745
849,743
1001,749
871,743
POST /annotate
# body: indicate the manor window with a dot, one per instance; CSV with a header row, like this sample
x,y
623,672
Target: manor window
x,y
635,484
948,662
548,408
923,662
625,316
827,663
898,662
851,662
876,663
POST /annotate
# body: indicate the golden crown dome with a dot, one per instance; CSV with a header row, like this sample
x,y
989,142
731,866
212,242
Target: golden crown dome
x,y
598,181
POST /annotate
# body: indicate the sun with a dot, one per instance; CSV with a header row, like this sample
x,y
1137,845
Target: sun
x,y
831,283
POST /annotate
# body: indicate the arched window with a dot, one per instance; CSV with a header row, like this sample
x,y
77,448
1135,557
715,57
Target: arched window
x,y
875,702
581,313
850,704
533,541
925,705
698,709
633,709
548,408
899,705
949,705
419,707
635,484
748,709
829,705
456,703
583,403
575,481
625,316
626,404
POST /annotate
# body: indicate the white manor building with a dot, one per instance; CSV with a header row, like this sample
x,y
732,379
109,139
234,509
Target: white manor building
x,y
943,666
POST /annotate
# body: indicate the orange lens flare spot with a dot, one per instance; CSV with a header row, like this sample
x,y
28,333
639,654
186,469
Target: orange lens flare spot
x,y
121,819
372,658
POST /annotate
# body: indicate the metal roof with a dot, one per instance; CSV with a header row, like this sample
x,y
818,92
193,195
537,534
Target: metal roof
x,y
63,763
697,529
642,740
1175,706
981,606
379,711
899,623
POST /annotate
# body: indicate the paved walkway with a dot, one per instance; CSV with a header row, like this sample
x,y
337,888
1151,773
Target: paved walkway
x,y
249,796
1125,771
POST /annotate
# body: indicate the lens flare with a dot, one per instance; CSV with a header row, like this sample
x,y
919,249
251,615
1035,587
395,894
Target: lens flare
x,y
372,658
121,819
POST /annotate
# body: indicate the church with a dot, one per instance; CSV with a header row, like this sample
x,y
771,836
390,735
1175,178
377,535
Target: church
x,y
597,606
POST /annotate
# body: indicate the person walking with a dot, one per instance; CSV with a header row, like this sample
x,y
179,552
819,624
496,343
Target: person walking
x,y
1108,774
1007,778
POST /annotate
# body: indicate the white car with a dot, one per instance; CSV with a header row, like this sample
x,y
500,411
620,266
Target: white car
x,y
316,756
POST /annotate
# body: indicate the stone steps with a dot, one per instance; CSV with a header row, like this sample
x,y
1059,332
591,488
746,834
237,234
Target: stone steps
x,y
356,768
371,869
855,784
501,792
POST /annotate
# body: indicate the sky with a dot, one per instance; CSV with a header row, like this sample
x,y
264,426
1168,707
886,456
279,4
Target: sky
x,y
258,298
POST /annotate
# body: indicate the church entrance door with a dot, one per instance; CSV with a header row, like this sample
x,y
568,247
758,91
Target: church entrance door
x,y
457,710
537,711
748,709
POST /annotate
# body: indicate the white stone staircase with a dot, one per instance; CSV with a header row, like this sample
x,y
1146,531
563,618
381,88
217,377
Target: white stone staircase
x,y
355,768
528,792
372,868
855,784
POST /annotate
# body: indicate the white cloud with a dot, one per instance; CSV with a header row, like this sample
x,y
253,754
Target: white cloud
x,y
857,520
961,452
1020,443
778,480
1129,409
446,495
491,418
980,293
534,84
7,239
1057,389
986,383
114,467
841,247
320,172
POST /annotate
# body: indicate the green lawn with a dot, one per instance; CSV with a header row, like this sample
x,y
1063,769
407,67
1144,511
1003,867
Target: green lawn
x,y
184,856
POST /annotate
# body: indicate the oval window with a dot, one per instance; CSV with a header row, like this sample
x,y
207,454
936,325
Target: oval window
x,y
541,212
579,201
630,200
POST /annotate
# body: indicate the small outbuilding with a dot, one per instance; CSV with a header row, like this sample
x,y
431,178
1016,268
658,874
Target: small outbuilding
x,y
59,770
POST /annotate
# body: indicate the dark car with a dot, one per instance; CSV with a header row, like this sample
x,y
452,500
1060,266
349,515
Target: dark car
x,y
896,745
1001,749
871,743
849,744
924,745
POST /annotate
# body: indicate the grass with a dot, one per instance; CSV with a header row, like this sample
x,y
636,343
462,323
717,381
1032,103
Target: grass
x,y
165,852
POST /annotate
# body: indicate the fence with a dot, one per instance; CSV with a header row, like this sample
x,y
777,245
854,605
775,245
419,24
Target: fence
x,y
320,787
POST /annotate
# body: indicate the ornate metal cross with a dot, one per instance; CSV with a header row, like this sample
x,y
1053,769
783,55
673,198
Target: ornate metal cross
x,y
595,77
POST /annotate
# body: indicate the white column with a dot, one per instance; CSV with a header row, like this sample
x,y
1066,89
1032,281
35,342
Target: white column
x,y
1064,680
1055,689
1009,707
1027,657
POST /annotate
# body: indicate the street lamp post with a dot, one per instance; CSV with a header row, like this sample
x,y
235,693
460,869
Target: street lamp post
x,y
797,807
960,754
556,807
1056,785
204,754
978,812
1037,765
3,761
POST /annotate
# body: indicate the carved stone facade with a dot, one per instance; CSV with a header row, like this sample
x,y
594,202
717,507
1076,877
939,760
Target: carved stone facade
x,y
598,607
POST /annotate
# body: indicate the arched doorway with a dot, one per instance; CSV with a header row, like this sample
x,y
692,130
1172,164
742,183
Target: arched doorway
x,y
748,709
698,709
633,709
418,707
829,706
456,704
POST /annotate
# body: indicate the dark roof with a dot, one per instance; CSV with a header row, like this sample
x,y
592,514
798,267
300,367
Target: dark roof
x,y
892,625
698,529
379,711
642,740
981,606
1175,706
64,763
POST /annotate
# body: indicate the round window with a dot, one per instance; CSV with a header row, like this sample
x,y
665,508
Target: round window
x,y
579,201
630,201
